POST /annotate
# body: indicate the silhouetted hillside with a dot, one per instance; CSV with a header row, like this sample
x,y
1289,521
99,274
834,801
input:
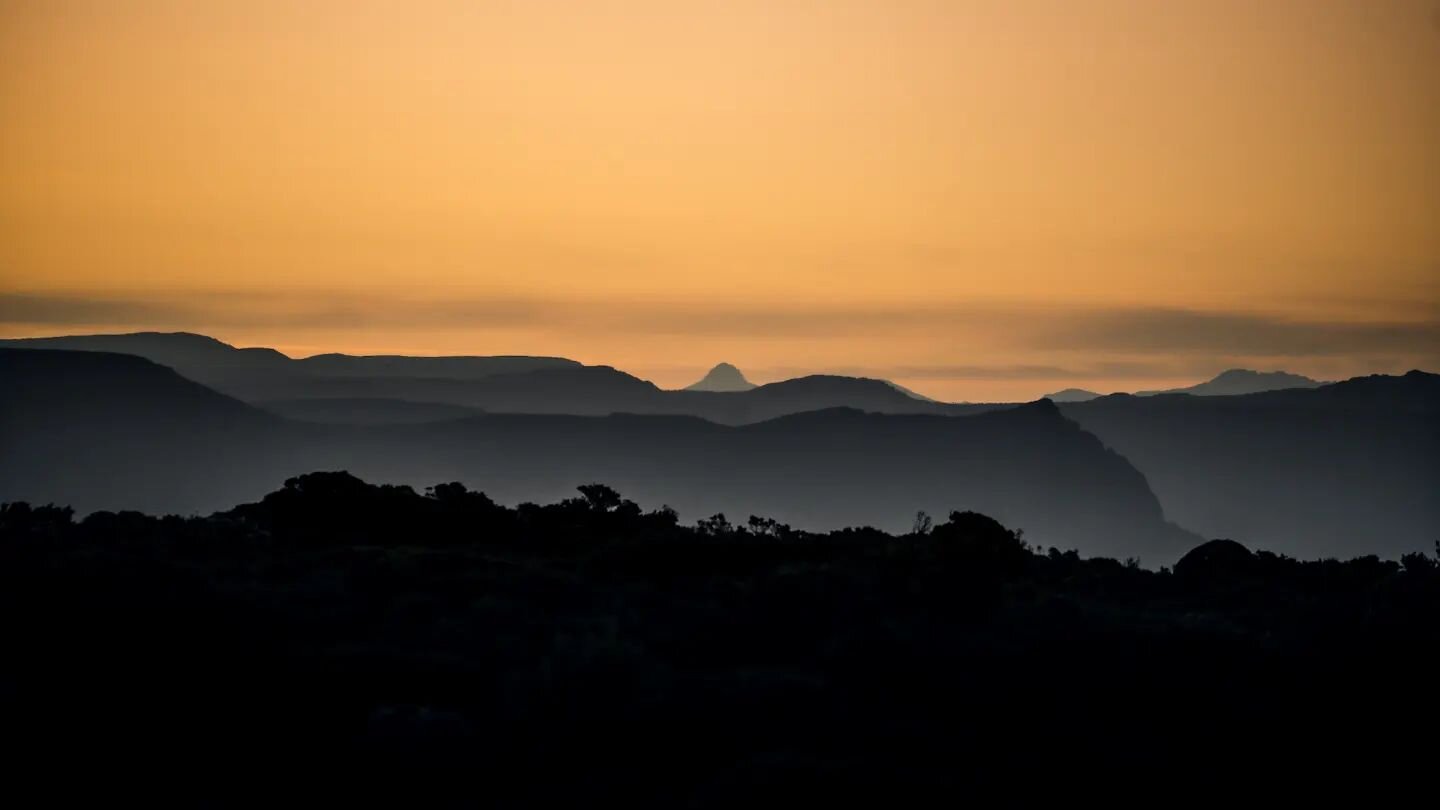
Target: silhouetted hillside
x,y
1240,381
1228,383
371,411
201,358
584,389
455,368
106,430
499,384
1295,469
1072,395
1414,392
1308,472
373,645
1029,466
818,391
798,395
907,392
265,374
61,387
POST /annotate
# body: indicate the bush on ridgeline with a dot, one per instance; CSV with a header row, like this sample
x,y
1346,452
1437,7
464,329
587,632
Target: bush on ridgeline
x,y
980,543
714,526
1217,561
768,527
600,498
331,508
35,522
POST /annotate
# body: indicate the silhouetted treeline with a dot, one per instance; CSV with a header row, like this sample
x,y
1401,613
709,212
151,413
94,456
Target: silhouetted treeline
x,y
339,640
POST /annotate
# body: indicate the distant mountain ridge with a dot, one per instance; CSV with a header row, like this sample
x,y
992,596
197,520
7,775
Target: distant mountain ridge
x,y
186,352
1072,395
1233,382
463,367
54,389
1237,381
367,411
261,373
501,384
1345,468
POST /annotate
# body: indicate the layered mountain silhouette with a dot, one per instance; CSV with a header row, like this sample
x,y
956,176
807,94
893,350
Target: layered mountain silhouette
x,y
112,431
257,374
523,384
723,377
377,388
367,411
103,427
1341,469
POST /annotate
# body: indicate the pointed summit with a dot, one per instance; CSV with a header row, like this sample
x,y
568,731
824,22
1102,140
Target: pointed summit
x,y
723,377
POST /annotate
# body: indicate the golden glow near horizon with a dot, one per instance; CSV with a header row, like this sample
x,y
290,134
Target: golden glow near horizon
x,y
977,199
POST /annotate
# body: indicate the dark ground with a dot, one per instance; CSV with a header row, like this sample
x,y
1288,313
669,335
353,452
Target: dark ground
x,y
340,642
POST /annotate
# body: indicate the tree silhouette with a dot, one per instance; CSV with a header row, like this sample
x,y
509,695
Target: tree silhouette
x,y
600,497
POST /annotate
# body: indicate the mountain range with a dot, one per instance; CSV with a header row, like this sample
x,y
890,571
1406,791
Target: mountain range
x,y
1342,468
108,431
526,384
413,389
255,374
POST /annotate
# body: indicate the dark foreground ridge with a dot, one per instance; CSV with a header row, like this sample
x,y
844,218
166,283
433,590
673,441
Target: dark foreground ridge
x,y
369,639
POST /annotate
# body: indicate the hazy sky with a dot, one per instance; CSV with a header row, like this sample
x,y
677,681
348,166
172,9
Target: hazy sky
x,y
978,199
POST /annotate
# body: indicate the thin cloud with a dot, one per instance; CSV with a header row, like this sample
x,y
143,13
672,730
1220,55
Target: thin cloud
x,y
204,311
1153,330
64,310
1142,336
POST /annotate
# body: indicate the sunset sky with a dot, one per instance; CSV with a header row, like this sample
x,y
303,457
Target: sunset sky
x,y
980,200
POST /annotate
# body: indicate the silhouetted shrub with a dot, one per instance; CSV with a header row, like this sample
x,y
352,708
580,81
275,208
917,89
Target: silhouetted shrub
x,y
1217,560
980,542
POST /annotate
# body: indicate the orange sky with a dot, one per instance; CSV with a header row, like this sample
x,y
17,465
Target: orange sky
x,y
978,199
